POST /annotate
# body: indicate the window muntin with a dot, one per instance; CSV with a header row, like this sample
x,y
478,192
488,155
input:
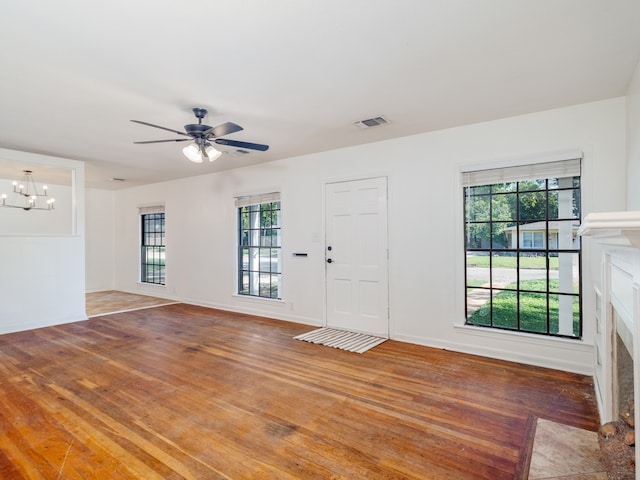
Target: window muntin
x,y
523,255
152,248
259,250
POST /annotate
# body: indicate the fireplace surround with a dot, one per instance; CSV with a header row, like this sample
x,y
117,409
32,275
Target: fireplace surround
x,y
617,312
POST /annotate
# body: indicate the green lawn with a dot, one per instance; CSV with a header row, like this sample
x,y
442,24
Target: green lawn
x,y
471,284
510,262
533,309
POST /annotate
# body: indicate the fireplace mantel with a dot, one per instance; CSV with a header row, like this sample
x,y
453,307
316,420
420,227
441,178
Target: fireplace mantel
x,y
613,228
617,312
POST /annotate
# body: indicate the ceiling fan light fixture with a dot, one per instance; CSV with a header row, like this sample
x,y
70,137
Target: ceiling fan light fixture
x,y
192,152
212,152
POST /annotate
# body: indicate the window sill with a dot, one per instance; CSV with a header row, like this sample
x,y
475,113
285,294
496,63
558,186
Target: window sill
x,y
152,285
523,337
251,299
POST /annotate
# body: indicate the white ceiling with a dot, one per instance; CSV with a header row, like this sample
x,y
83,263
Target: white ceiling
x,y
295,74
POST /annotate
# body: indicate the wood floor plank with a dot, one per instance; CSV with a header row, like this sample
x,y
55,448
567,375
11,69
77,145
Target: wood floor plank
x,y
188,392
110,301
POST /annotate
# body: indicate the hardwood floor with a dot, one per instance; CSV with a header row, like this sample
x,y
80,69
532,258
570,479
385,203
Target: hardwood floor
x,y
187,392
111,301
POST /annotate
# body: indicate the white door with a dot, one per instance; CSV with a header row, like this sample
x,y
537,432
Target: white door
x,y
356,256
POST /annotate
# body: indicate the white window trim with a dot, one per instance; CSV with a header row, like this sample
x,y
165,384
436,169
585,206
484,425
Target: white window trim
x,y
525,160
145,210
258,199
561,168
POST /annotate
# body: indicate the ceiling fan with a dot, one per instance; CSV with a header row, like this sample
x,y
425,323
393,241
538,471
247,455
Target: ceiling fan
x,y
202,137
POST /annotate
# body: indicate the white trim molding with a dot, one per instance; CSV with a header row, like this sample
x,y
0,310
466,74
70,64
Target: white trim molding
x,y
613,228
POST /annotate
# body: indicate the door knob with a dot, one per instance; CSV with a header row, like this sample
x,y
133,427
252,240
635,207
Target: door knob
x,y
329,260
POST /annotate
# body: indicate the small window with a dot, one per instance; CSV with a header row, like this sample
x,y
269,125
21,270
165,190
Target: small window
x,y
532,239
259,246
522,252
152,246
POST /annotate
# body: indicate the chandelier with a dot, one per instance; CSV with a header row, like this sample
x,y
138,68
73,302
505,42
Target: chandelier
x,y
26,194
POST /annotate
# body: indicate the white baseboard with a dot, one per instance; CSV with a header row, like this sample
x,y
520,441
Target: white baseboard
x,y
250,309
21,327
583,353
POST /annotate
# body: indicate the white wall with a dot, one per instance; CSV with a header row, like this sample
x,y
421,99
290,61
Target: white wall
x,y
100,232
633,142
42,281
425,226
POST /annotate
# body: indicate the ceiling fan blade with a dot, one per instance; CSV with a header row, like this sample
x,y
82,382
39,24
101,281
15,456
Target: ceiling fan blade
x,y
162,141
158,126
223,129
236,143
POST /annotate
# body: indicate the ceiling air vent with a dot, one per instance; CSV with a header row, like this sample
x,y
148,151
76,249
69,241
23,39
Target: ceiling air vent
x,y
238,152
371,122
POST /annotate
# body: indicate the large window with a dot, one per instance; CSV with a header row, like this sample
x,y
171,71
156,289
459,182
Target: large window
x,y
259,246
522,254
152,245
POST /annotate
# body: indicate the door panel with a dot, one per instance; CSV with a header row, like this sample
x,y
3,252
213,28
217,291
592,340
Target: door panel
x,y
356,268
